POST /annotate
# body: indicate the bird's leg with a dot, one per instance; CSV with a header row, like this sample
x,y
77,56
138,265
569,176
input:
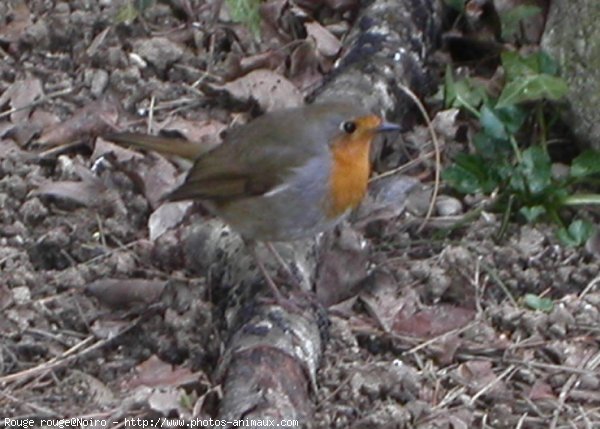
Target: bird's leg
x,y
280,299
274,289
286,267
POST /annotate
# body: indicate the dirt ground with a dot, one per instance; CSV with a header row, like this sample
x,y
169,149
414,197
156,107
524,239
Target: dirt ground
x,y
444,332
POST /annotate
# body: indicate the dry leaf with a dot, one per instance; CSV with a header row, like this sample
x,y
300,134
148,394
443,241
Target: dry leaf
x,y
21,95
20,20
541,390
432,321
327,44
158,177
386,199
122,155
342,265
153,372
384,301
206,132
166,217
96,118
304,65
271,90
119,293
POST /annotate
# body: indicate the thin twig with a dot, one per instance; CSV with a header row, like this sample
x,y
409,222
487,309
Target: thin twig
x,y
500,283
491,384
151,115
38,101
589,287
402,168
436,147
439,337
55,362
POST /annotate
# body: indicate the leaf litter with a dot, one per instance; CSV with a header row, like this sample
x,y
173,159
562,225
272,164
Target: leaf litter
x,y
434,333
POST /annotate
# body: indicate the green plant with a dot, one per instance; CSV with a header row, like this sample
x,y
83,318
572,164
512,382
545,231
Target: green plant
x,y
246,12
132,9
521,174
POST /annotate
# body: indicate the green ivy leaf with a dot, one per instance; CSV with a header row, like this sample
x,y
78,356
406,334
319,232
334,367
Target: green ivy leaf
x,y
547,64
586,164
492,124
469,174
512,117
127,13
510,19
536,168
491,149
577,233
458,5
531,214
532,88
132,9
463,93
536,302
516,65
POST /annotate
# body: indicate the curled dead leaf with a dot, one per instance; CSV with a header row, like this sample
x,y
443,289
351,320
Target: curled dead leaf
x,y
327,44
271,90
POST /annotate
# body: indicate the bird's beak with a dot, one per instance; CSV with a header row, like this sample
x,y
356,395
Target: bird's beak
x,y
387,126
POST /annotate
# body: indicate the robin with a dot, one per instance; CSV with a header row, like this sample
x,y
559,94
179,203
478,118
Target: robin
x,y
284,176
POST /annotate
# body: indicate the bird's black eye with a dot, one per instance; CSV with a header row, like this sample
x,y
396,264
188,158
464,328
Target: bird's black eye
x,y
348,127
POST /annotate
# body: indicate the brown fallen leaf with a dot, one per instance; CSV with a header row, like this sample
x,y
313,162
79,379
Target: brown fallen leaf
x,y
19,19
96,118
122,293
304,65
272,14
540,391
205,133
158,177
432,321
478,375
20,96
271,90
272,59
154,372
327,44
342,266
166,217
121,154
384,299
386,199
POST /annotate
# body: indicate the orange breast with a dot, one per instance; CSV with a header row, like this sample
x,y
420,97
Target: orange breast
x,y
349,174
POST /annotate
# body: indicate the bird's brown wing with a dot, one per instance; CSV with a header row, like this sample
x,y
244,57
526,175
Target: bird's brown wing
x,y
252,160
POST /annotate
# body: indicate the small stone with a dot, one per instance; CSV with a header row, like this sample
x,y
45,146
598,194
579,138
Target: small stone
x,y
448,206
531,241
21,295
15,186
99,82
38,35
159,51
33,211
560,171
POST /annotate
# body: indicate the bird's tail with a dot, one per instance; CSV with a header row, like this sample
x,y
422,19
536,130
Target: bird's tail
x,y
163,145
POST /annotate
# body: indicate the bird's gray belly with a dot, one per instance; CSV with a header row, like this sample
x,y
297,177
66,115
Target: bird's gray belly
x,y
291,212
